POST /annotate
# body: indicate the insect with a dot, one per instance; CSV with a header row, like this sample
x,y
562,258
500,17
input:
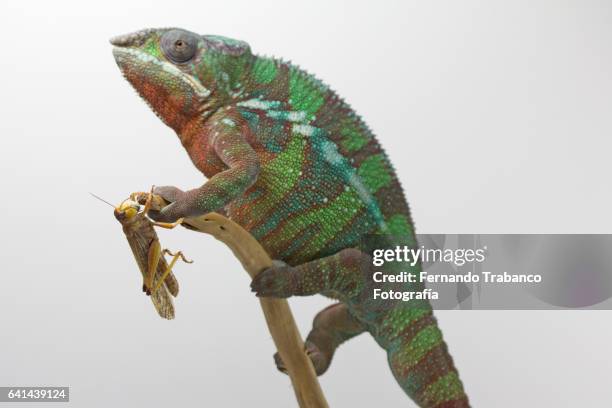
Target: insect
x,y
158,280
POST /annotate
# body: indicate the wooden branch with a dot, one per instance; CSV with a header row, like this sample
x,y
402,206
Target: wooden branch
x,y
278,315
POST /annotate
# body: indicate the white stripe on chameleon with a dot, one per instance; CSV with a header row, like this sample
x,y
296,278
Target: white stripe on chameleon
x,y
305,130
259,104
333,157
199,89
291,116
237,93
228,122
269,106
296,116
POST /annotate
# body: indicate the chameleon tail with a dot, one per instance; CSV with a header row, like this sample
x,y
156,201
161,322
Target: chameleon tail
x,y
423,367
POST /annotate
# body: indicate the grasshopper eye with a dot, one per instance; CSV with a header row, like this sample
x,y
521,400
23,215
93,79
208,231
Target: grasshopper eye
x,y
130,212
179,46
128,208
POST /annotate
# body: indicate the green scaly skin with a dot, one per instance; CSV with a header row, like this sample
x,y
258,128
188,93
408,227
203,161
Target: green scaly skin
x,y
292,163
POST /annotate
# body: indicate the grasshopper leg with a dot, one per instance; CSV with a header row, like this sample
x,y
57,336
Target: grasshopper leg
x,y
148,201
179,253
147,207
169,225
175,257
154,256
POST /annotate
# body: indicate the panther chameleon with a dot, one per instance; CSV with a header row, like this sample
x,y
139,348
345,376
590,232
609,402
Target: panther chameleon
x,y
293,164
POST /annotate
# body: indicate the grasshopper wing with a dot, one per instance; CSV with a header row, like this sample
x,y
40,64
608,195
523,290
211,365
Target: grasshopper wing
x,y
170,282
161,299
163,302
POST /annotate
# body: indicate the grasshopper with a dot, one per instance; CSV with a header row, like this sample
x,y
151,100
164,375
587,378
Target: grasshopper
x,y
158,280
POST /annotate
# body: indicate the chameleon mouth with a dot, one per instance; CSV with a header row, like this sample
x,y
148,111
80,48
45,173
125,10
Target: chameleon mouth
x,y
173,95
131,57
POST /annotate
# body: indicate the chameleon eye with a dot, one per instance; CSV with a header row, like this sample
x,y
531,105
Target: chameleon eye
x,y
179,46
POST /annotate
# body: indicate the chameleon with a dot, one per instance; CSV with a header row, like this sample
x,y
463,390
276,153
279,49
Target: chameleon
x,y
291,162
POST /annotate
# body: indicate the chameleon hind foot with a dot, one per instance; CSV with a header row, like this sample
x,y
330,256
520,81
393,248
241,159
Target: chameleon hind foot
x,y
275,281
331,327
320,360
338,276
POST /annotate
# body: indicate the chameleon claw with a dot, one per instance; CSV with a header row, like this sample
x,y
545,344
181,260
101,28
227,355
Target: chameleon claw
x,y
280,365
319,361
273,282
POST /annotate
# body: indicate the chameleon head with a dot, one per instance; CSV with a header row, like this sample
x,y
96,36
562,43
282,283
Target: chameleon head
x,y
180,74
127,209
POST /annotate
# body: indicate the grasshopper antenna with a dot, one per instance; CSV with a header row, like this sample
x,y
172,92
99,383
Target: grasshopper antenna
x,y
101,199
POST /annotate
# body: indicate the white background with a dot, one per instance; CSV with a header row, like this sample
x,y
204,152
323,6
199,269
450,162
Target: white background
x,y
496,115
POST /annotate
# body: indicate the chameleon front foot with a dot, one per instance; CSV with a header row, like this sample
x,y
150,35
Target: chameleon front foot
x,y
320,360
